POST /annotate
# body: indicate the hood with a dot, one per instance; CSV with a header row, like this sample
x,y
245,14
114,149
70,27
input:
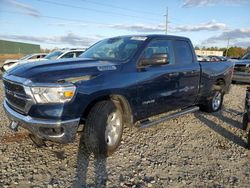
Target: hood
x,y
52,71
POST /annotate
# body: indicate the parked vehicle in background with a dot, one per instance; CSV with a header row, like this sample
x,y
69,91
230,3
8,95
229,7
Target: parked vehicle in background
x,y
57,54
118,81
202,58
217,58
10,63
64,53
242,69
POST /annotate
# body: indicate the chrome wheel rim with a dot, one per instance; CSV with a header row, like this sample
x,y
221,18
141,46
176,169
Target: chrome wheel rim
x,y
216,100
113,128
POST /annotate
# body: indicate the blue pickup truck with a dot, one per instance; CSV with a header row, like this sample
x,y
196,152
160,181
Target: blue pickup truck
x,y
242,69
117,82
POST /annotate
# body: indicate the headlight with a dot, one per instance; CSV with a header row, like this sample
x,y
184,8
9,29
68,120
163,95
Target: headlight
x,y
53,94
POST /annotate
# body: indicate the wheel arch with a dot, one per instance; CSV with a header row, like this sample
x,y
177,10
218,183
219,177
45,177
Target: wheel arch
x,y
120,101
219,84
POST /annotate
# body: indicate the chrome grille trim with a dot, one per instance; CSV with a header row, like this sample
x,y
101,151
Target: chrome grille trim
x,y
15,88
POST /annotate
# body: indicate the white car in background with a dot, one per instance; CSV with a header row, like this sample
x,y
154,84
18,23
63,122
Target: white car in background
x,y
64,53
10,63
57,54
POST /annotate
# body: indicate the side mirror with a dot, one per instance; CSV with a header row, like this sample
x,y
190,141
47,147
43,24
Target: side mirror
x,y
156,59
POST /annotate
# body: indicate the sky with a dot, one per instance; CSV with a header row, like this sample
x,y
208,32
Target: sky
x,y
80,23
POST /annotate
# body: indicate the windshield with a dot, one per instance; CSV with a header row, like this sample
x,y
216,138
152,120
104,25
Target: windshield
x,y
114,49
53,55
246,56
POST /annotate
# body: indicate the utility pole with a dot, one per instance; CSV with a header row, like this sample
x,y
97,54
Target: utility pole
x,y
166,20
227,46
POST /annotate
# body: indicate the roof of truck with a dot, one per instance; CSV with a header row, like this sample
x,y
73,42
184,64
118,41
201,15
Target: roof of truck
x,y
155,36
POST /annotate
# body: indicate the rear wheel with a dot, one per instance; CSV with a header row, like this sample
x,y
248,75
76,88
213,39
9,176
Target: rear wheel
x,y
245,121
214,103
104,127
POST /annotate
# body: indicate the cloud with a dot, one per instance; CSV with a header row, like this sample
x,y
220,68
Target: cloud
x,y
209,26
201,3
235,36
140,27
68,39
243,44
67,24
29,10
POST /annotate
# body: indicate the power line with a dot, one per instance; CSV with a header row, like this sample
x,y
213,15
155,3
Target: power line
x,y
121,8
93,10
58,18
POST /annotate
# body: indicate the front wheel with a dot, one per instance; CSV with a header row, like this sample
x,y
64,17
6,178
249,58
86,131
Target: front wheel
x,y
104,127
214,103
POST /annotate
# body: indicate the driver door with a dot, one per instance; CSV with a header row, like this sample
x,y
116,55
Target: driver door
x,y
157,83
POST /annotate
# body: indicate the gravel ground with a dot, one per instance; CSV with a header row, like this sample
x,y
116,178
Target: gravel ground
x,y
196,150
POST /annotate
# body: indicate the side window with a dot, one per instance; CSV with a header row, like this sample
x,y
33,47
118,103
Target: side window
x,y
159,47
183,52
78,53
68,55
34,57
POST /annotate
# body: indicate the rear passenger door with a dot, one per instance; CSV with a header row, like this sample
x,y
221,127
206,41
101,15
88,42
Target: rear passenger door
x,y
167,87
189,73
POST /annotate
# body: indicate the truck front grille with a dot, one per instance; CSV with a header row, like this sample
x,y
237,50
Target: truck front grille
x,y
13,87
16,96
242,68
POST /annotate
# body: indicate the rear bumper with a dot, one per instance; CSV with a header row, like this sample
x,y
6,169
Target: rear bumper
x,y
241,77
53,130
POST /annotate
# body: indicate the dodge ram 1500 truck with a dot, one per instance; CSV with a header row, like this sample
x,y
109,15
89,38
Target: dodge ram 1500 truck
x,y
120,81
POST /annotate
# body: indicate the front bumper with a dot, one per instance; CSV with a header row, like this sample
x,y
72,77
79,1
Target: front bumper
x,y
53,130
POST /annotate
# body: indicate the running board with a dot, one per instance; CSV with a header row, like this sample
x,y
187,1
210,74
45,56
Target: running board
x,y
168,117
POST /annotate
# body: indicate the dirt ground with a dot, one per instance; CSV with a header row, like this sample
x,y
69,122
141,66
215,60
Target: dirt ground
x,y
195,150
4,57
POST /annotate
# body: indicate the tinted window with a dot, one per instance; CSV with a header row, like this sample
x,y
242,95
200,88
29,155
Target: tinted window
x,y
183,52
68,55
159,47
247,56
53,55
35,57
78,53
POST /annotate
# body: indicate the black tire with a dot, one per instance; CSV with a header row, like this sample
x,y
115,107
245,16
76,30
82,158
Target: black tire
x,y
248,140
99,135
245,121
209,104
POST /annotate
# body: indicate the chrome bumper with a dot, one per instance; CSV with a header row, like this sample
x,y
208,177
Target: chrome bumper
x,y
40,127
